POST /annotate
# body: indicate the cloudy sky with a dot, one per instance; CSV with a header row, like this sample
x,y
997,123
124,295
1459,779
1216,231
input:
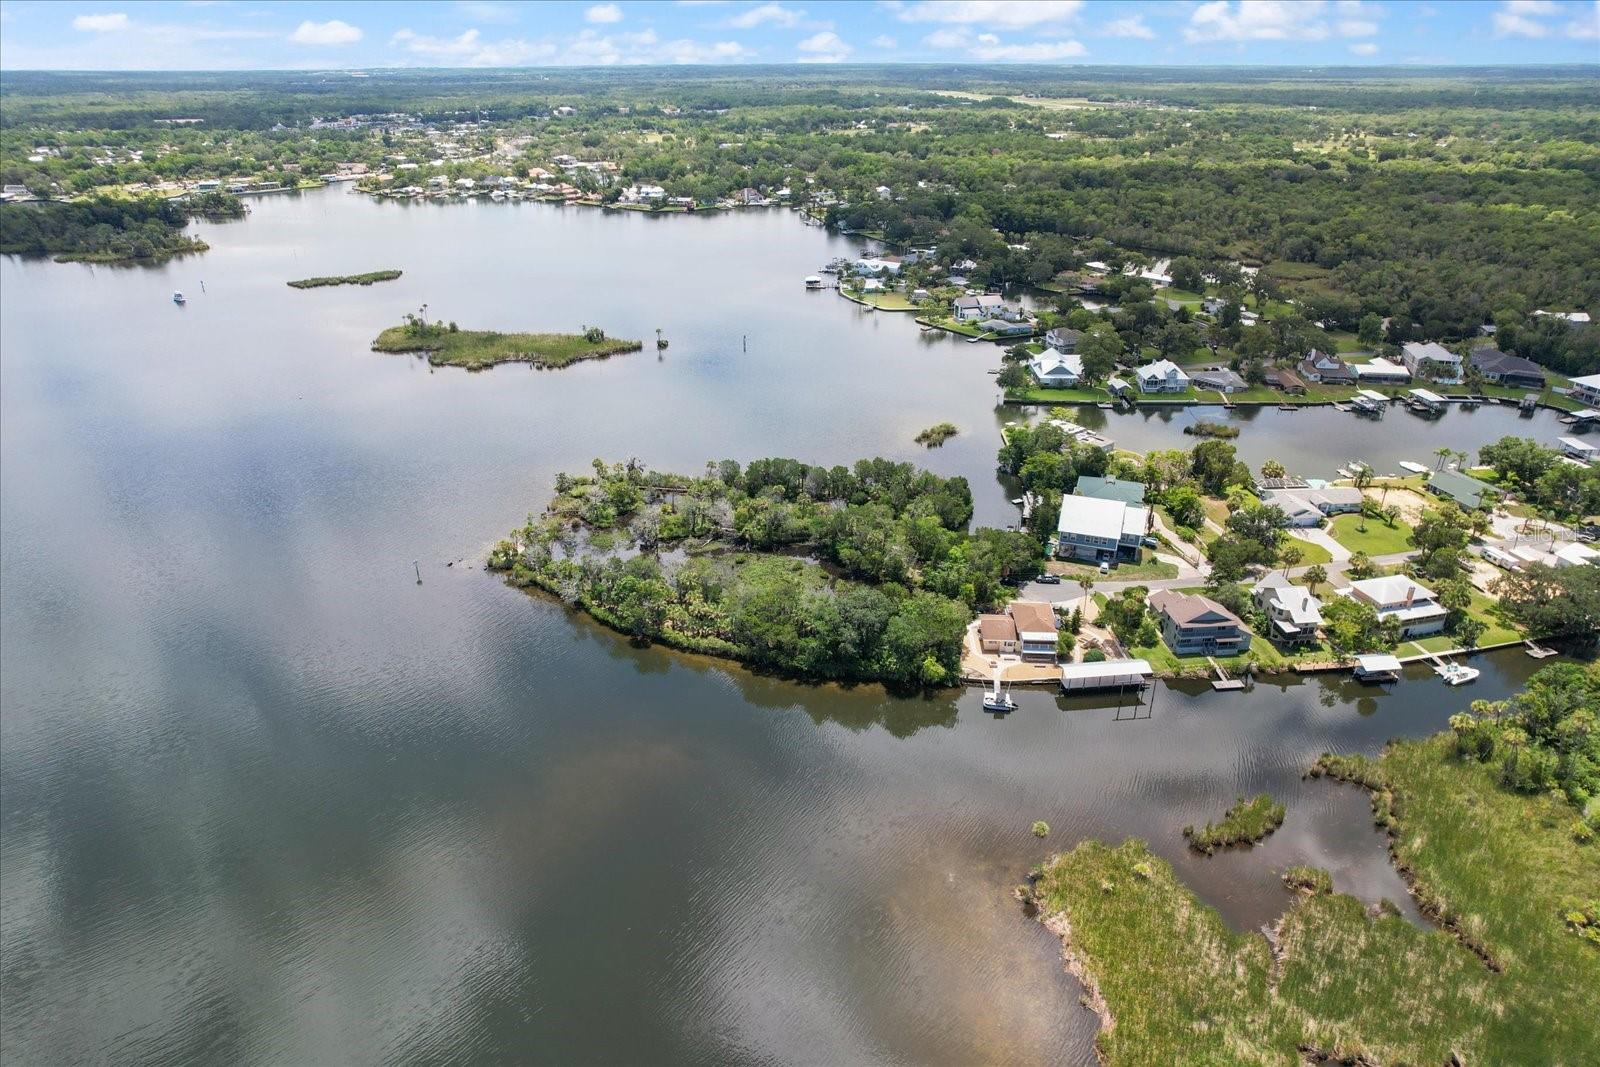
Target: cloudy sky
x,y
259,34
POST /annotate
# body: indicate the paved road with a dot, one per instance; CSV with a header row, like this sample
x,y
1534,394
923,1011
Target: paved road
x,y
1068,590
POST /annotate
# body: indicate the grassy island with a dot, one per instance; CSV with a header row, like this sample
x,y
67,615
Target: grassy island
x,y
446,345
863,573
938,434
346,279
1245,823
1495,854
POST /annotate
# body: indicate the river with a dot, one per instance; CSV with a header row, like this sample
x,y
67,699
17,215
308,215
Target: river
x,y
268,800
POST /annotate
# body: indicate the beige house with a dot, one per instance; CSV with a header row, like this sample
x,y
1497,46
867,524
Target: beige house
x,y
997,633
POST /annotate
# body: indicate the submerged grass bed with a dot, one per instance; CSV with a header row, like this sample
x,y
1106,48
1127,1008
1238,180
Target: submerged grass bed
x,y
1506,981
1245,823
346,279
478,349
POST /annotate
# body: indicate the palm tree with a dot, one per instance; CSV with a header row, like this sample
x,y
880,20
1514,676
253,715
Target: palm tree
x,y
1086,583
1289,556
1315,575
1363,476
1440,455
1461,460
1390,514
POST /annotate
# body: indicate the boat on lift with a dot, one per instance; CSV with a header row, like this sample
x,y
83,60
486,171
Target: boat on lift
x,y
996,699
1456,673
178,298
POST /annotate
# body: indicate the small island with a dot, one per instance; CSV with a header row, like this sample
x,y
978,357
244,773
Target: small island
x,y
1245,823
346,279
938,434
864,573
447,345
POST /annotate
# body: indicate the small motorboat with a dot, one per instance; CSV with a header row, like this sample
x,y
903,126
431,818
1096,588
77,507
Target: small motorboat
x,y
996,699
178,298
1456,673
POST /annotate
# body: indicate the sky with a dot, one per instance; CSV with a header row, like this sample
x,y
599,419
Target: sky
x,y
282,34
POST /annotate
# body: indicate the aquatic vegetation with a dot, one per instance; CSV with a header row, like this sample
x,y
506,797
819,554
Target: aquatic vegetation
x,y
1245,823
346,279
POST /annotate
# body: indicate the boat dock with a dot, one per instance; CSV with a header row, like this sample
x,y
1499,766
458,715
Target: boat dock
x,y
1538,651
1222,681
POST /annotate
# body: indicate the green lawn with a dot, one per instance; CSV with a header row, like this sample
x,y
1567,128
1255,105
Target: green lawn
x,y
1482,608
886,301
1379,538
1149,570
1039,395
1499,868
1182,296
1310,552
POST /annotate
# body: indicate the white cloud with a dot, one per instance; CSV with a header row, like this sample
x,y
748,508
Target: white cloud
x,y
1004,14
1520,18
470,49
1586,28
1132,26
1365,48
946,39
331,32
823,47
101,23
990,49
764,14
1279,20
883,40
603,13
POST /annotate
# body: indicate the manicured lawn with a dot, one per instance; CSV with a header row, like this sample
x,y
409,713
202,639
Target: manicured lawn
x,y
1182,296
1379,538
887,301
1310,551
946,323
1345,342
1150,570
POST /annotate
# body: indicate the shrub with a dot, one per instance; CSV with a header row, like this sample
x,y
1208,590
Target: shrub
x,y
1041,829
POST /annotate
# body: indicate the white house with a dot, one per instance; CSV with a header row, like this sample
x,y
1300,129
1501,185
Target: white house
x,y
1381,370
1293,614
1575,318
1398,597
1057,370
1094,529
1587,389
982,306
1162,376
1299,511
1431,360
884,192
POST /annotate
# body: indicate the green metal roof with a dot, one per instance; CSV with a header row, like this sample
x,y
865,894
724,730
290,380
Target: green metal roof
x,y
1464,489
1111,489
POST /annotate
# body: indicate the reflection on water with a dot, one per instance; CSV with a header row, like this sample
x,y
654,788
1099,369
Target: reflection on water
x,y
268,799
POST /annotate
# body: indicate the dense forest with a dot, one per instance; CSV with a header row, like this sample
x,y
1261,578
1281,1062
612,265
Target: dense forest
x,y
108,230
860,573
1436,202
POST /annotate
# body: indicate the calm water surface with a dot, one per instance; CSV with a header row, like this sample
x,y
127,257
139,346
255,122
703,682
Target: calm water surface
x,y
267,800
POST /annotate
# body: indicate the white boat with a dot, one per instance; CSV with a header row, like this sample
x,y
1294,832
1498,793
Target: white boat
x,y
997,700
178,298
1456,673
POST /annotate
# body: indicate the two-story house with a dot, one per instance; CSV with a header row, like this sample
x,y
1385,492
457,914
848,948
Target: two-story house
x,y
1398,597
1428,359
1100,530
1198,626
1057,370
982,306
1162,376
1293,614
1036,629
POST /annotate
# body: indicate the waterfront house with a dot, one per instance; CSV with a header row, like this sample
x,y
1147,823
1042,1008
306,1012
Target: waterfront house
x,y
1293,614
1428,359
1579,449
1056,370
1162,376
1326,369
1297,510
1128,492
1381,370
1221,379
1505,369
207,185
1036,629
1098,530
1464,489
1586,390
1063,339
1198,626
981,306
1283,378
1398,597
997,633
1118,388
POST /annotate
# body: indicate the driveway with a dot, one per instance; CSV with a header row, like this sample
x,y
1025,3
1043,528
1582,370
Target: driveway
x,y
1318,536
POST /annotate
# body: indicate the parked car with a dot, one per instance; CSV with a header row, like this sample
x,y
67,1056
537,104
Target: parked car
x,y
1105,567
1048,579
1150,542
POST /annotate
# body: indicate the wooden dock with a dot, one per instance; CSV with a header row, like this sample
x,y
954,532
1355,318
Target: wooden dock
x,y
1222,681
1538,651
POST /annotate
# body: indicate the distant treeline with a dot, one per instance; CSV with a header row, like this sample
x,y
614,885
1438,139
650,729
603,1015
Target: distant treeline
x,y
104,231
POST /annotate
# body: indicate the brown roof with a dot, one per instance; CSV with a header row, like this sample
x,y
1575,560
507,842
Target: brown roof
x,y
996,628
1182,608
1031,615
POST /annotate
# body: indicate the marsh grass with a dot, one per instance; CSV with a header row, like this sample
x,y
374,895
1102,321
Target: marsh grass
x,y
1245,823
478,349
346,279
